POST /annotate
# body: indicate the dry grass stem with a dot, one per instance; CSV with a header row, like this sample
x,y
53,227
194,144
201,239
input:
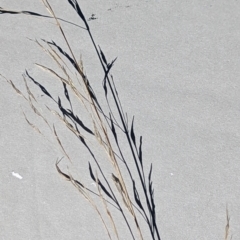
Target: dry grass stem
x,y
227,227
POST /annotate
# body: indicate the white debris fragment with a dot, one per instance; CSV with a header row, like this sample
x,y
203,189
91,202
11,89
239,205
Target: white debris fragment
x,y
17,175
94,184
171,174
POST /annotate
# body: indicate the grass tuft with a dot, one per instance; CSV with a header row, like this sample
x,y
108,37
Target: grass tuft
x,y
129,188
106,126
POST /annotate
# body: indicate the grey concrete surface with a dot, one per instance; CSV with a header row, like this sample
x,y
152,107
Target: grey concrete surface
x,y
177,72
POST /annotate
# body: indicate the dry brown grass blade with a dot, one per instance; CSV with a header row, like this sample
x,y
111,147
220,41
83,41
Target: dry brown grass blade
x,y
50,10
227,227
36,128
14,87
47,5
65,176
69,125
52,72
106,208
69,82
59,142
60,62
32,125
119,182
97,134
89,199
71,128
35,110
54,55
109,149
28,90
122,192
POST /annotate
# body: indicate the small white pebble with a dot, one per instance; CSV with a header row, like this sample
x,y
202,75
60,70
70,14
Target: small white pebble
x,y
17,175
171,174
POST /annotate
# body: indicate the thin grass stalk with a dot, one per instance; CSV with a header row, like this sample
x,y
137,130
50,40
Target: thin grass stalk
x,y
92,203
227,227
106,208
